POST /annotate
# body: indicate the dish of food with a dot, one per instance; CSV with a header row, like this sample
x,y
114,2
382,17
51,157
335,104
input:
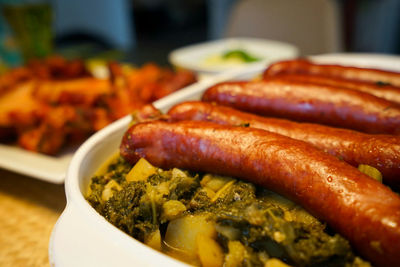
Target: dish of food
x,y
49,107
87,162
211,220
226,54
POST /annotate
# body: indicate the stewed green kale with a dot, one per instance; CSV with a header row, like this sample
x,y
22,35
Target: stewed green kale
x,y
244,224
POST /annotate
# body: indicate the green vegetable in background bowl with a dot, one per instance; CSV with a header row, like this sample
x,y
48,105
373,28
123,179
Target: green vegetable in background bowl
x,y
240,54
232,57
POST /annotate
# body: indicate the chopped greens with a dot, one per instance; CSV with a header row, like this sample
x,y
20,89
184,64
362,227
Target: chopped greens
x,y
240,54
211,220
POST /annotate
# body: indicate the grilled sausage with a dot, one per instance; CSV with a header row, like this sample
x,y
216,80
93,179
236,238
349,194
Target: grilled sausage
x,y
363,210
146,113
385,91
379,151
302,66
339,107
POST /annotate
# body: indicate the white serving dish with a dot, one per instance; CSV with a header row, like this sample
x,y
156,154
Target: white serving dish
x,y
194,57
82,237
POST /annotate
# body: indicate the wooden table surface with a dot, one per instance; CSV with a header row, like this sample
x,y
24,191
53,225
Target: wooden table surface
x,y
29,208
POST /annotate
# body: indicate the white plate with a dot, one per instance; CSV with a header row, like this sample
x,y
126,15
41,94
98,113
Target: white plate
x,y
195,57
81,236
43,167
379,61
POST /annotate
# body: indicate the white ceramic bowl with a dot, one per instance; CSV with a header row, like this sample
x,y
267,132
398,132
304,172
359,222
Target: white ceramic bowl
x,y
194,57
82,237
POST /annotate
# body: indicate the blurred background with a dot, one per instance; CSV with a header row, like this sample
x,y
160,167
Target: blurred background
x,y
140,31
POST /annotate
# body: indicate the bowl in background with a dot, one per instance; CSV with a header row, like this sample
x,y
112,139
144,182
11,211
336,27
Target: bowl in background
x,y
205,58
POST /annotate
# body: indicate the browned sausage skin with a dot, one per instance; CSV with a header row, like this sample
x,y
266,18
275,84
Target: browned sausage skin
x,y
339,107
385,91
302,66
146,113
364,211
379,151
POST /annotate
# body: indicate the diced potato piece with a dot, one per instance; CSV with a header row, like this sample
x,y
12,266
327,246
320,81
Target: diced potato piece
x,y
206,178
279,236
178,173
275,263
109,189
236,253
106,194
171,209
288,216
162,189
214,182
153,240
209,251
370,171
141,171
181,233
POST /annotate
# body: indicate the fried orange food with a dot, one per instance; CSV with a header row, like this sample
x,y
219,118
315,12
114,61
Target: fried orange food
x,y
51,103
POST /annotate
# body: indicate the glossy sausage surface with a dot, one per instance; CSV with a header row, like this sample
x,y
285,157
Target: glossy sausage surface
x,y
379,151
364,211
338,107
302,66
385,91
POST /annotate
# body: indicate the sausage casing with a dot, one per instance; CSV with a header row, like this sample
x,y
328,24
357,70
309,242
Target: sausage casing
x,y
363,210
338,107
385,91
379,151
302,66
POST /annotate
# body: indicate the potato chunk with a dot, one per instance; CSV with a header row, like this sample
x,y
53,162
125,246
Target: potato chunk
x,y
172,209
236,254
141,171
273,262
214,182
181,233
109,190
209,251
153,240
